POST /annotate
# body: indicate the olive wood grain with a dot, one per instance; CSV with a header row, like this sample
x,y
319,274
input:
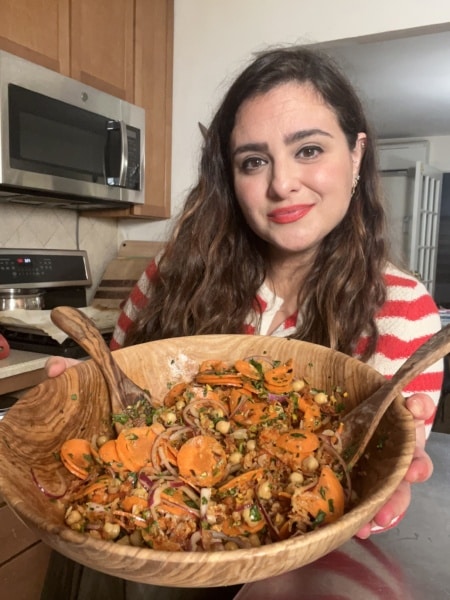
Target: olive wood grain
x,y
76,404
123,391
361,423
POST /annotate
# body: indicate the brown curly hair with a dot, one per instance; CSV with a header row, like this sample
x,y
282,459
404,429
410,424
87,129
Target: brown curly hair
x,y
213,264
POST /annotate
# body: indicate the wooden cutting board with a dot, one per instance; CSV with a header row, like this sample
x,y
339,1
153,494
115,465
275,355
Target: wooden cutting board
x,y
122,272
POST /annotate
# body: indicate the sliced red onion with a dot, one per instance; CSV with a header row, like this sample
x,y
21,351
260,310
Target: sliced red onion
x,y
273,530
43,489
281,398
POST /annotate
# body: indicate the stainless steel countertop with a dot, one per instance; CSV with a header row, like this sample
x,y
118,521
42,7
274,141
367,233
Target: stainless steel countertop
x,y
408,562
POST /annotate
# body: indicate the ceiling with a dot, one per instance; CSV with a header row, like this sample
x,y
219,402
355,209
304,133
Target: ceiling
x,y
404,83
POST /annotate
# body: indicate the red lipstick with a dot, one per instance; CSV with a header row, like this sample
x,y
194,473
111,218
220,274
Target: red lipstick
x,y
290,214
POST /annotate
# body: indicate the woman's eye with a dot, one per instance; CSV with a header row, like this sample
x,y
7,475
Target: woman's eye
x,y
252,163
309,152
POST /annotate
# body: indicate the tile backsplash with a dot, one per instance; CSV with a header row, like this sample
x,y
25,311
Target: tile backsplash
x,y
58,229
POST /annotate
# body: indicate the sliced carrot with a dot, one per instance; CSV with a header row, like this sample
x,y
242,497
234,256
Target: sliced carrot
x,y
109,455
291,447
78,457
237,396
246,368
174,393
254,413
134,445
202,461
250,388
279,379
298,441
130,501
327,497
215,379
312,417
242,482
174,503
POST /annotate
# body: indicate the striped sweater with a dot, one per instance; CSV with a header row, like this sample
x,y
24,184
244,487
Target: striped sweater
x,y
407,319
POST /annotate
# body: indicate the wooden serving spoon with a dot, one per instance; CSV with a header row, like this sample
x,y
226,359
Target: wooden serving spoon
x,y
123,391
361,422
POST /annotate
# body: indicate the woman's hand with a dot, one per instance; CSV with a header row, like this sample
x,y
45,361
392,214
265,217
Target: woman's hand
x,y
422,408
57,365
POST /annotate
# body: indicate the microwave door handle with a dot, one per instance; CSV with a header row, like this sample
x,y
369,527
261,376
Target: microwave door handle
x,y
123,153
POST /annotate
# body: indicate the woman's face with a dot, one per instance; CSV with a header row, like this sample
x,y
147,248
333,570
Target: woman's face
x,y
293,169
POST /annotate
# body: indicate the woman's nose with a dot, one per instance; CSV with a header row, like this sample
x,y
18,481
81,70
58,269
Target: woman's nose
x,y
285,179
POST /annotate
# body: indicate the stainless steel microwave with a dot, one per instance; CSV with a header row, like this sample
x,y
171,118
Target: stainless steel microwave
x,y
66,143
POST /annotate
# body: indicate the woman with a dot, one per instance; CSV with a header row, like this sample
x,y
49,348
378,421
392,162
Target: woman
x,y
284,234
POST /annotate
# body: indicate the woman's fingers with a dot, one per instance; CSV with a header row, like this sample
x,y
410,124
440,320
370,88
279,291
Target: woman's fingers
x,y
421,467
390,513
56,365
422,408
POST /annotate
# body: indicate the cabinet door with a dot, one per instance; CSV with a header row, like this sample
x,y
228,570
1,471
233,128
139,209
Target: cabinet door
x,y
102,45
153,91
37,31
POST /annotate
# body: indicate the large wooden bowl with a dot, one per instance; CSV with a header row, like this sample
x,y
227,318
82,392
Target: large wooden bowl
x,y
76,405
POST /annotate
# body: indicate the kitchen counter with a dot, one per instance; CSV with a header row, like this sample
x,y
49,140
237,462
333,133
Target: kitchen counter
x,y
21,370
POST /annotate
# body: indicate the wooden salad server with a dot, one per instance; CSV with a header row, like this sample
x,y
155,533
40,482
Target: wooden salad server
x,y
361,422
123,391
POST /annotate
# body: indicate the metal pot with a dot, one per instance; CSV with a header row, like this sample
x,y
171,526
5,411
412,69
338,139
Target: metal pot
x,y
13,299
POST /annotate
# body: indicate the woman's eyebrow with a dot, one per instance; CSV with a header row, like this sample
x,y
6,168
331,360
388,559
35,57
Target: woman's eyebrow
x,y
291,138
250,147
297,136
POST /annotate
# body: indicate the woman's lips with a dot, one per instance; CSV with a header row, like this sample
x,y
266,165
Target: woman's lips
x,y
289,214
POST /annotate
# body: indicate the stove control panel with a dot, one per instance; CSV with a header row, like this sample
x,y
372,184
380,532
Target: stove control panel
x,y
43,268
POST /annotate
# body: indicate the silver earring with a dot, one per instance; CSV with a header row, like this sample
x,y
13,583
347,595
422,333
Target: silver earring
x,y
355,184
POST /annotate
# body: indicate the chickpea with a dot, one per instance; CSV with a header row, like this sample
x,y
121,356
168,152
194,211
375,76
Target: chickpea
x,y
310,463
102,439
231,546
135,538
169,418
298,385
264,490
180,404
223,427
320,398
235,458
111,530
254,540
296,478
73,517
251,445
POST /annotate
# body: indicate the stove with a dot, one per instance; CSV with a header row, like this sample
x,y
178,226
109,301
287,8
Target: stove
x,y
56,277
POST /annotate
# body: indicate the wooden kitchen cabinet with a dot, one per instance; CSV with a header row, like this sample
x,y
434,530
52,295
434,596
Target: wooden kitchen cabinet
x,y
153,91
37,31
102,45
122,47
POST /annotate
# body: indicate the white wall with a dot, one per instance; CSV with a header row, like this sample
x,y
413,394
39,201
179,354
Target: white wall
x,y
214,39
